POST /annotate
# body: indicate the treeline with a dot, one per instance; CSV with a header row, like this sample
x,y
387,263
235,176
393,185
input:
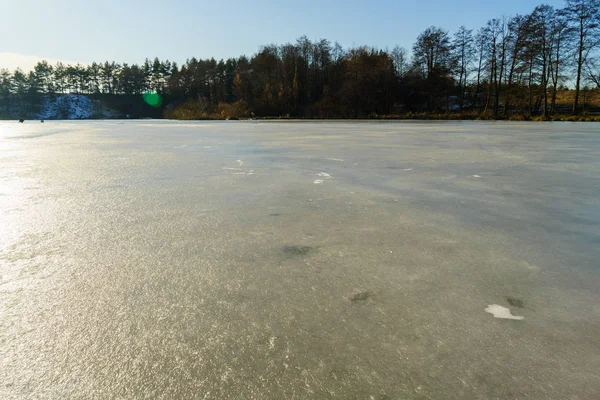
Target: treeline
x,y
512,65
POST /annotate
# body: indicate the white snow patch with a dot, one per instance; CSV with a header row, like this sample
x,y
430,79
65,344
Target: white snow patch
x,y
334,159
407,169
476,176
240,162
272,342
324,175
318,181
501,312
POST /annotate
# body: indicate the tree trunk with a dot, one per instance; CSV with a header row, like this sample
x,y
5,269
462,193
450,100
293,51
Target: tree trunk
x,y
529,88
478,87
555,79
579,66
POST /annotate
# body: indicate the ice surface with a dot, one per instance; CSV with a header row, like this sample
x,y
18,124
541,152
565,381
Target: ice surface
x,y
135,264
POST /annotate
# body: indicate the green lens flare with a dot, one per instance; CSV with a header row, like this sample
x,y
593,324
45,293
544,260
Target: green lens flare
x,y
152,99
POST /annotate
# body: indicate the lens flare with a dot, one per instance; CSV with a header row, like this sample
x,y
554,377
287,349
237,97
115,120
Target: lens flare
x,y
152,99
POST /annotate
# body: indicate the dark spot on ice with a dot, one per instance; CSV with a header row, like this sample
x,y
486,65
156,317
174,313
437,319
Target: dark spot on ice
x,y
515,302
361,296
274,215
296,251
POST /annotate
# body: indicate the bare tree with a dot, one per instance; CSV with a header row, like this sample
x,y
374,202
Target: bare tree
x,y
432,52
516,41
400,60
481,51
583,17
493,34
540,28
504,34
433,57
464,51
560,35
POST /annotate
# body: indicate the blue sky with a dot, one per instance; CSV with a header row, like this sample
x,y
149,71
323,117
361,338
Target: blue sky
x,y
131,30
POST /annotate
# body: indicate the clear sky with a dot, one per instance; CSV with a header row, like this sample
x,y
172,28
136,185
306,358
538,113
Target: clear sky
x,y
131,30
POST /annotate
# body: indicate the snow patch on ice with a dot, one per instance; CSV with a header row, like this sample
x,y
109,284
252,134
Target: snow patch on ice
x,y
501,312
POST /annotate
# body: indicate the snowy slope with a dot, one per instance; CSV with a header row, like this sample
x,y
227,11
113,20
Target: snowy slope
x,y
69,106
73,106
62,106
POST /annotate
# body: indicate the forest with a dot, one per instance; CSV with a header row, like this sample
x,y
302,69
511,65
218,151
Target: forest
x,y
538,65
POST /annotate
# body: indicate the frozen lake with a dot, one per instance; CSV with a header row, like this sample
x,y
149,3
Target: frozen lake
x,y
293,260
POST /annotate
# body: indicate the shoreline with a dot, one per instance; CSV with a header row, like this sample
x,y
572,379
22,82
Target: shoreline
x,y
433,118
